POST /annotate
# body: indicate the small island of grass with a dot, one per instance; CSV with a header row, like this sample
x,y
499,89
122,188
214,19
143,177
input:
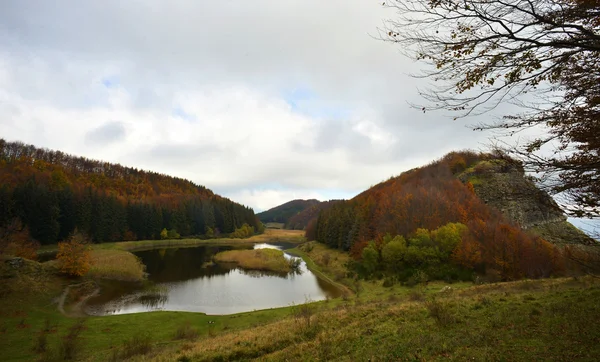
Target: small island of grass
x,y
258,259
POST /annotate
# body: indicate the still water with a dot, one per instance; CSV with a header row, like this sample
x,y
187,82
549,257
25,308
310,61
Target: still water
x,y
186,280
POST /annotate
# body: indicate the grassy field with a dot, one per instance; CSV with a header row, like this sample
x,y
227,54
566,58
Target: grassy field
x,y
521,321
552,319
257,259
32,328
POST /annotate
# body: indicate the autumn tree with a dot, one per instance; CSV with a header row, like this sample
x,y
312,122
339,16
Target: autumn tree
x,y
53,193
74,256
15,240
542,55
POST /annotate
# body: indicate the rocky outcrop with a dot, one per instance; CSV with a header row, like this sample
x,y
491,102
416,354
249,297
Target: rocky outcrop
x,y
502,184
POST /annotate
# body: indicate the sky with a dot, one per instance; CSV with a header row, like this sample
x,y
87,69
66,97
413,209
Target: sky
x,y
261,101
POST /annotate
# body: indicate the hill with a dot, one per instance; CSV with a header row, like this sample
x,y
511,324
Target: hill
x,y
46,195
467,210
304,217
282,213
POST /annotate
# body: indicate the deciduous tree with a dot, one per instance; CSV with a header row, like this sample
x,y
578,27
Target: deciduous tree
x,y
74,256
543,55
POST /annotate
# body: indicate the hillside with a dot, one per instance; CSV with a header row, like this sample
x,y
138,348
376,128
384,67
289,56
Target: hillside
x,y
304,217
45,195
501,220
282,213
502,184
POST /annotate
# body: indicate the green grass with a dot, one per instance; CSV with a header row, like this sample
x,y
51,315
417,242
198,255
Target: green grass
x,y
552,319
521,321
27,304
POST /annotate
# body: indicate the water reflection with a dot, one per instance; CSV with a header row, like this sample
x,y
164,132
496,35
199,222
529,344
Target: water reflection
x,y
189,281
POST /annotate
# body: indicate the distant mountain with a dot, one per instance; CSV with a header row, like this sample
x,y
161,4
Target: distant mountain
x,y
51,194
283,213
301,219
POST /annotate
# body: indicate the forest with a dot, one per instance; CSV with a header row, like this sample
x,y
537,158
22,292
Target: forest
x,y
295,214
45,195
427,221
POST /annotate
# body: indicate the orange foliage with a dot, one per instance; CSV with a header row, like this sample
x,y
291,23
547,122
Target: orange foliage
x,y
467,253
74,255
432,196
15,240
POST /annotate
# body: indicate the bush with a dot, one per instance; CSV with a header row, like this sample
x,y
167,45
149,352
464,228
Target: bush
x,y
245,231
138,345
440,311
15,240
186,331
388,282
416,295
74,255
303,314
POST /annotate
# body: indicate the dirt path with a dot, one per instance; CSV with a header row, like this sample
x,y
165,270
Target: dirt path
x,y
77,309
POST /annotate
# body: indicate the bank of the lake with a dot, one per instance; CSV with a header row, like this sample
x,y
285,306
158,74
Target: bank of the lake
x,y
116,261
521,321
269,235
188,279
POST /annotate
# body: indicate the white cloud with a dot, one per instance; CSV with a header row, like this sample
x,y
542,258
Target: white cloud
x,y
261,101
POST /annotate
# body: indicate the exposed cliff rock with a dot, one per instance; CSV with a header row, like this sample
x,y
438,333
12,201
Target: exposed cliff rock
x,y
502,184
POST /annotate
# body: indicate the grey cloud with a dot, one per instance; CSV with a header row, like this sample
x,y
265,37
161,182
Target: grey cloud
x,y
108,133
58,54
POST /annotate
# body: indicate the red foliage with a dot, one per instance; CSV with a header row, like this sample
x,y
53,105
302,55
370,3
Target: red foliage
x,y
15,240
428,198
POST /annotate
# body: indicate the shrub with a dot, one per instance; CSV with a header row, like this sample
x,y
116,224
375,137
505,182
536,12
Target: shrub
x,y
326,259
15,240
138,345
303,314
74,255
245,231
388,282
440,311
186,331
416,295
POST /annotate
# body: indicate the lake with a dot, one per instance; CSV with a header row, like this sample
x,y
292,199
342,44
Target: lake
x,y
186,280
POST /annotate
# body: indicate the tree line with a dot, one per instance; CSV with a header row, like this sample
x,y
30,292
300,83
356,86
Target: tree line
x,y
49,194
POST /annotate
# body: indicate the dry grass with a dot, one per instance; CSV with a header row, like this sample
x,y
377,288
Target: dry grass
x,y
544,322
257,259
275,235
332,262
116,265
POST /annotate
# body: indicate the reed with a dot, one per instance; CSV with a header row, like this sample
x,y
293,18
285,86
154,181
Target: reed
x,y
257,259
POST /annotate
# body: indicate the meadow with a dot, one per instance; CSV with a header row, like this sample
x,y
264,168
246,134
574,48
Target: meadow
x,y
548,319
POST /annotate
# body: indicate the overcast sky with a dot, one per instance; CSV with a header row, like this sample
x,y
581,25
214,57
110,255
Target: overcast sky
x,y
261,101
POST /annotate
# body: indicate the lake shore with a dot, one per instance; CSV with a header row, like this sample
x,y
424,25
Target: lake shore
x,y
531,312
270,235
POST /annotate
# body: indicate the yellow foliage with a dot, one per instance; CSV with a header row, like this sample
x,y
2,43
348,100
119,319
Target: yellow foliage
x,y
257,259
74,256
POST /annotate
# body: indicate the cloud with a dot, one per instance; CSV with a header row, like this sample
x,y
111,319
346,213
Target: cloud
x,y
107,133
250,99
